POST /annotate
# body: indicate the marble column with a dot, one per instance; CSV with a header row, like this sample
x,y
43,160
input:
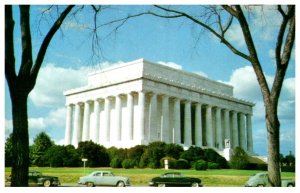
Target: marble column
x,y
198,125
235,133
128,133
69,118
242,135
86,122
219,135
153,118
177,132
77,125
209,128
97,120
187,124
106,131
165,130
227,125
139,131
249,133
118,118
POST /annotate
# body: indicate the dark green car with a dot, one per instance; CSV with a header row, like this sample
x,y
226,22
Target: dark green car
x,y
36,178
175,179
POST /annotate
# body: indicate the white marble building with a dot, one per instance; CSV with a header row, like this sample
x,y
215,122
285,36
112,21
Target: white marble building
x,y
141,102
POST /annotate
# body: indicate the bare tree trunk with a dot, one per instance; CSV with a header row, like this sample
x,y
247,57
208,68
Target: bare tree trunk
x,y
273,130
20,148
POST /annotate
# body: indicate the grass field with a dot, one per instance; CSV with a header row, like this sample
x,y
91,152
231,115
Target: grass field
x,y
141,177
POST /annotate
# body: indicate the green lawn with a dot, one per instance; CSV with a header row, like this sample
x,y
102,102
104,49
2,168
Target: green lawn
x,y
141,177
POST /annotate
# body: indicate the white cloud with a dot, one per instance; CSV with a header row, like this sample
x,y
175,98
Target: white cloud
x,y
59,141
246,87
37,123
51,83
8,127
170,64
235,35
56,118
272,54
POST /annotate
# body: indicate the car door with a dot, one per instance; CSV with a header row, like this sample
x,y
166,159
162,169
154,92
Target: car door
x,y
98,179
108,179
33,178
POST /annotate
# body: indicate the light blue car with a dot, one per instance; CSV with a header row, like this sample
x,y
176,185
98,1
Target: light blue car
x,y
261,180
103,178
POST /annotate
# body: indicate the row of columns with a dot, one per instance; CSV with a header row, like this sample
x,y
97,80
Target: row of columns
x,y
174,128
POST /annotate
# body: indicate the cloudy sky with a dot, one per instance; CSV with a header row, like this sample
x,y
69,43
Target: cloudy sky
x,y
177,43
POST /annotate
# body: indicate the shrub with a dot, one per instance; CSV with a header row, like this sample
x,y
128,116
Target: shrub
x,y
128,163
200,165
116,163
182,164
212,165
239,159
222,162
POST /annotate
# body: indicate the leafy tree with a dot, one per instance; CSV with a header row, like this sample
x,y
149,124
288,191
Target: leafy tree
x,y
41,144
173,150
193,154
54,156
71,158
8,151
114,152
217,20
135,153
200,165
239,159
154,152
96,154
182,164
116,163
128,163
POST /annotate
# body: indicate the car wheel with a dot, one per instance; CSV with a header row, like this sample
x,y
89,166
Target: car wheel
x,y
290,185
47,183
161,185
121,184
90,184
260,185
195,184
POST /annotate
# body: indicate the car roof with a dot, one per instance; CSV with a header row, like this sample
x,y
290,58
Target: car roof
x,y
172,173
101,171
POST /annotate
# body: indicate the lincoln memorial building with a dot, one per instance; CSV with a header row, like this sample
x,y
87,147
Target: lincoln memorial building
x,y
140,102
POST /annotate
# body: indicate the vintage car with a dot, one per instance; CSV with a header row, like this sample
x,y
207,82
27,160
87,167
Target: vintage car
x,y
36,178
261,180
104,178
174,179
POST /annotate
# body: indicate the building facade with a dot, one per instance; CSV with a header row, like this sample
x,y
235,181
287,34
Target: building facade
x,y
140,102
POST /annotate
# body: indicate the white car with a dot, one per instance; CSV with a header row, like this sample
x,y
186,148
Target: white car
x,y
103,178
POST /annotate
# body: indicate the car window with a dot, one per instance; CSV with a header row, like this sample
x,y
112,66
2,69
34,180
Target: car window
x,y
262,175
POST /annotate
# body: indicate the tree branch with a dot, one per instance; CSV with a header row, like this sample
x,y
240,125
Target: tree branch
x,y
283,59
46,42
10,72
26,62
222,39
252,51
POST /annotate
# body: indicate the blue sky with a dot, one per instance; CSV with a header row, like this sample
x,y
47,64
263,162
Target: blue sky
x,y
175,42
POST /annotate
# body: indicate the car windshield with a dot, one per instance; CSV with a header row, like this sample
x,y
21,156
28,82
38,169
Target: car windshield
x,y
34,174
172,175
